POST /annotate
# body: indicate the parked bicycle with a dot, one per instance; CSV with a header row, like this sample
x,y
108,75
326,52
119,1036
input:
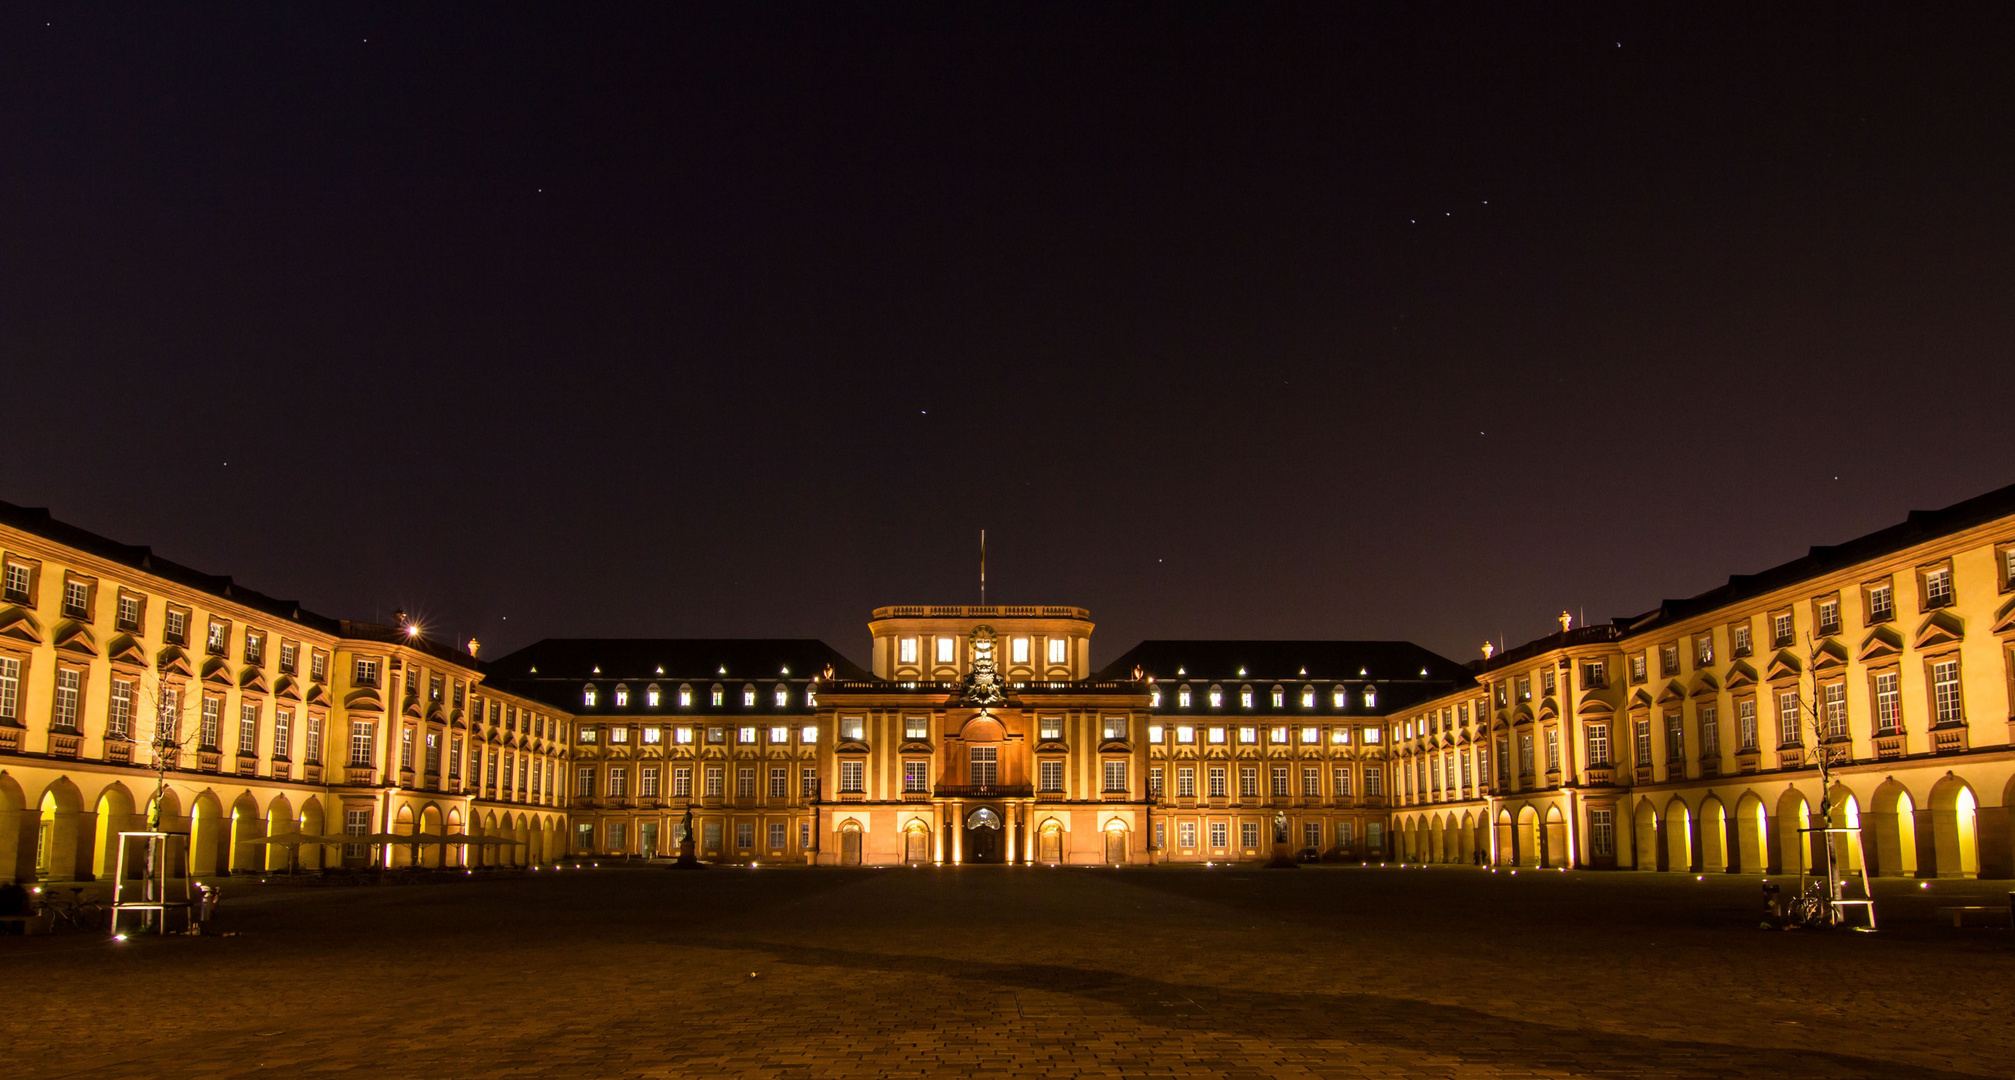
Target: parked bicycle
x,y
75,913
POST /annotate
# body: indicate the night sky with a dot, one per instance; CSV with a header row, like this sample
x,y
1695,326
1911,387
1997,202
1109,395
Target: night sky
x,y
1403,320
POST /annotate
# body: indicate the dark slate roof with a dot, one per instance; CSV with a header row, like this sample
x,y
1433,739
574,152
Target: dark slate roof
x,y
688,659
1394,668
1284,661
36,520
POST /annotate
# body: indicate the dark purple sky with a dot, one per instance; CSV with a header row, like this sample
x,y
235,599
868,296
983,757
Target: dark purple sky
x,y
1417,321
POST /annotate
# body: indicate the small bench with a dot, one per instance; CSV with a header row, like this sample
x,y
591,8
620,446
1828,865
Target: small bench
x,y
1977,914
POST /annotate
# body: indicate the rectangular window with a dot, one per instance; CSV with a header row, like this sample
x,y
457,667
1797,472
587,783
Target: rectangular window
x,y
1185,835
356,823
255,648
1829,617
715,781
1675,739
617,835
20,577
1280,782
780,783
1154,782
906,650
779,835
1833,709
406,748
1547,685
917,775
455,762
1787,719
1059,650
1643,743
367,672
311,750
119,713
1740,639
808,783
248,729
1342,779
984,766
1703,650
1781,631
1888,704
1668,660
1593,677
1217,786
1945,699
1601,833
128,614
1881,603
218,633
69,689
584,782
1248,835
1115,777
1938,587
1710,732
1525,755
1374,782
1220,835
1114,729
289,653
682,782
851,777
1311,782
647,782
619,781
1185,782
363,744
745,835
1552,750
745,783
853,728
1745,723
945,650
211,722
710,836
76,599
1049,776
318,667
1311,834
1018,651
1637,672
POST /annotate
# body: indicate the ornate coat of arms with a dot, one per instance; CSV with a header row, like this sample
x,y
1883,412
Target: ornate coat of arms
x,y
983,685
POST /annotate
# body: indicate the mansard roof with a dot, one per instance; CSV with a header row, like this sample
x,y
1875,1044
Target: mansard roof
x,y
1402,672
36,521
567,663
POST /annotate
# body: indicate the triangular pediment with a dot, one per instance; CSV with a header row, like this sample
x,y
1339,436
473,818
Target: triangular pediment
x,y
285,686
1942,628
19,623
1674,691
1783,666
252,679
1883,641
1705,686
125,651
317,694
1741,674
173,661
1641,699
1595,707
74,638
216,671
1830,654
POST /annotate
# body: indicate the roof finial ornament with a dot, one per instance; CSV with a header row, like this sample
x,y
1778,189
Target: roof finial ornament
x,y
1488,650
473,646
1566,622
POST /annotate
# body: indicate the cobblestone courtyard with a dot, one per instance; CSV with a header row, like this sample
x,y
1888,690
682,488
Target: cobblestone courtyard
x,y
984,972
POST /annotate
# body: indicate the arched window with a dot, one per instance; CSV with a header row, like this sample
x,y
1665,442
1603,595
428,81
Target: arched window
x,y
651,695
783,694
1182,696
748,695
720,695
1308,697
588,695
1216,697
1279,697
1370,697
1245,697
622,695
685,695
1337,698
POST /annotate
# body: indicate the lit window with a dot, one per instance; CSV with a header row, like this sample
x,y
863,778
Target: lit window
x,y
748,696
780,735
1279,697
588,696
651,695
809,734
1938,587
1154,697
1018,651
653,735
918,726
1338,699
1245,697
853,728
945,650
1308,697
1248,734
1217,735
1311,735
619,734
1185,734
720,695
1115,728
783,695
1154,733
1370,697
1339,735
1182,697
906,650
746,736
1216,697
1048,728
1059,650
1277,736
1371,734
622,697
682,735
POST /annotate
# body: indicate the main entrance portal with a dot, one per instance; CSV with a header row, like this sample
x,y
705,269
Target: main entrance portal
x,y
984,842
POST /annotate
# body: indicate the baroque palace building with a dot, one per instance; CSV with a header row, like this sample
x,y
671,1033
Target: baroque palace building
x,y
1687,739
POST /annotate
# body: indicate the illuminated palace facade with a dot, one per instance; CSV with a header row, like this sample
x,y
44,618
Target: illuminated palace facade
x,y
1686,739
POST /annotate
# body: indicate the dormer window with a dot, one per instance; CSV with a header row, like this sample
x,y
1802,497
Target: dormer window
x,y
588,696
783,695
720,695
1216,697
1154,697
1182,697
1245,697
748,696
1308,697
1338,699
1279,697
685,695
651,695
1370,697
622,695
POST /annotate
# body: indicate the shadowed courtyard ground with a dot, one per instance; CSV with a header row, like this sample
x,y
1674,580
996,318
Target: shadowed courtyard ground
x,y
984,972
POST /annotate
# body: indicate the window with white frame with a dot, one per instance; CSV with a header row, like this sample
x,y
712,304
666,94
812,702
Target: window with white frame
x,y
780,783
1745,724
1675,738
1552,750
1947,707
20,582
782,696
366,671
69,695
1185,833
745,783
1643,743
1115,776
1710,732
119,710
1601,832
1049,775
1782,633
1833,709
809,734
363,740
851,772
946,649
853,728
715,780
212,709
1248,835
1018,651
1787,719
1881,602
1114,728
1216,697
1888,703
1185,782
1938,587
906,650
1048,728
748,696
1220,835
682,782
1280,782
248,728
1059,650
76,599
